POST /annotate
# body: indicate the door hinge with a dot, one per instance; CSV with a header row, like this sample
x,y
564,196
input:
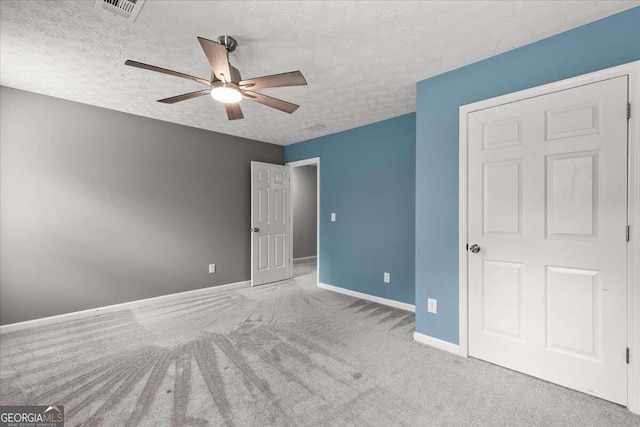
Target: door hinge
x,y
628,233
467,246
627,355
628,110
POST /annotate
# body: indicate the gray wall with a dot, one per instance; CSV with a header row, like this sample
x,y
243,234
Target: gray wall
x,y
304,198
100,207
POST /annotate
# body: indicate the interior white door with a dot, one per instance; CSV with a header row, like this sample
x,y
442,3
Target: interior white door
x,y
270,226
547,208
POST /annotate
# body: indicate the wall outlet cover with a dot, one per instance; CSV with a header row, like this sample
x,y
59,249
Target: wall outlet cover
x,y
333,217
212,268
432,306
387,277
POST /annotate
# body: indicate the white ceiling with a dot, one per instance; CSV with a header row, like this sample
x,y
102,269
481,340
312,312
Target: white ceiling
x,y
361,59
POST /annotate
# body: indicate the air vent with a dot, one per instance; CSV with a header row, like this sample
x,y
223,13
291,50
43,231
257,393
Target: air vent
x,y
128,9
315,127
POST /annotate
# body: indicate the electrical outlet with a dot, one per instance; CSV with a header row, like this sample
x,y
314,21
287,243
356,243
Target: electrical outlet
x,y
333,217
212,268
387,277
432,305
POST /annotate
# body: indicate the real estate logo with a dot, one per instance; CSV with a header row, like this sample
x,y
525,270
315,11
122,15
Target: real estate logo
x,y
32,416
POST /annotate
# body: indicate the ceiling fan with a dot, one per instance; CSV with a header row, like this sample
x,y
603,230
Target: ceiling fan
x,y
226,85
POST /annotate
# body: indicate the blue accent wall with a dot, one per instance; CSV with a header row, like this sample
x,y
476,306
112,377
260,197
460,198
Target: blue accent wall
x,y
602,44
367,177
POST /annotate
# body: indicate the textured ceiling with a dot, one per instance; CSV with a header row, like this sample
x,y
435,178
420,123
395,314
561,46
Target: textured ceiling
x,y
361,59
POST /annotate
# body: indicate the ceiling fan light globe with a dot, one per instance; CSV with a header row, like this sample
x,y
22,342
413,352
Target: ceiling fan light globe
x,y
226,95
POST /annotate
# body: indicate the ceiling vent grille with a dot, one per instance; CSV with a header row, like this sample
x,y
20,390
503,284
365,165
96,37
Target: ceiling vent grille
x,y
315,127
128,9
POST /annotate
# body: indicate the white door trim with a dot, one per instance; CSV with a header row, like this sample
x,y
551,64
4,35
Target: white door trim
x,y
298,163
632,70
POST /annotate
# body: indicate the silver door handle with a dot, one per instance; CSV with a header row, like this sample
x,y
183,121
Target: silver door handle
x,y
255,230
474,248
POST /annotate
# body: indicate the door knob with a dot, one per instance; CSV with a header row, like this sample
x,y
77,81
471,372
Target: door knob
x,y
474,248
255,230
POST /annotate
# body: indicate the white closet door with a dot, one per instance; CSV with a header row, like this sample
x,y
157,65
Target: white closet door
x,y
548,211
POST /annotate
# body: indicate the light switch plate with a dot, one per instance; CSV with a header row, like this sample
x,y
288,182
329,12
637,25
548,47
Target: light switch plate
x,y
333,217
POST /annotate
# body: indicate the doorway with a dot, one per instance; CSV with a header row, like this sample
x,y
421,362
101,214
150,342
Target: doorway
x,y
305,214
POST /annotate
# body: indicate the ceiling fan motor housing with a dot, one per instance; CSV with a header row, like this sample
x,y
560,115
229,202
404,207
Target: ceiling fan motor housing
x,y
235,75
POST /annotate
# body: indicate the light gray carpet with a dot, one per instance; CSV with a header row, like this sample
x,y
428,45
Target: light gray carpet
x,y
282,354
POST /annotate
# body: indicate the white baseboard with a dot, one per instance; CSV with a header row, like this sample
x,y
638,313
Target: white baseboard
x,y
437,343
12,327
379,300
306,258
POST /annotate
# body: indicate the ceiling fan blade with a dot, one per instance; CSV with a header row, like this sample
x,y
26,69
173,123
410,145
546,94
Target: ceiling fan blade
x,y
165,71
292,78
234,112
269,101
218,58
185,96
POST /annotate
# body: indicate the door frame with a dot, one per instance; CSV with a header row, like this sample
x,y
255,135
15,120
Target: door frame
x,y
307,162
632,70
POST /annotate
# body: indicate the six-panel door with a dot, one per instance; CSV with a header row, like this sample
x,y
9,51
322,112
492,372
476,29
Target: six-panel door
x,y
270,223
548,207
